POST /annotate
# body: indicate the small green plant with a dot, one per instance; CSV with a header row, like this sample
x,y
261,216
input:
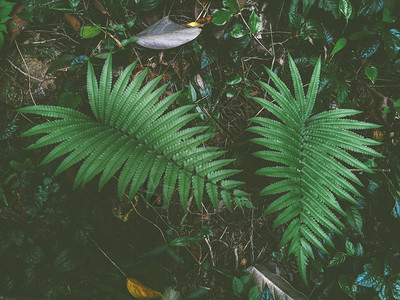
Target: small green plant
x,y
223,15
5,10
244,285
310,150
386,280
130,130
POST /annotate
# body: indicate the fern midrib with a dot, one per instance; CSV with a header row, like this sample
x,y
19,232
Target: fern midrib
x,y
302,165
150,148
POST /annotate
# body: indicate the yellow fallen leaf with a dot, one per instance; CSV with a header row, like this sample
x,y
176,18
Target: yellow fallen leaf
x,y
139,290
192,24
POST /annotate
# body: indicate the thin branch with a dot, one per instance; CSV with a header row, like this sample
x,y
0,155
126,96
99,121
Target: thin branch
x,y
105,254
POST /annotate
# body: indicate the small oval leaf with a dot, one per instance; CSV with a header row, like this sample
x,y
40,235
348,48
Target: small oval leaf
x,y
371,72
340,44
231,4
253,293
350,248
70,100
346,9
255,24
222,16
88,32
208,57
234,80
338,259
237,286
238,32
391,39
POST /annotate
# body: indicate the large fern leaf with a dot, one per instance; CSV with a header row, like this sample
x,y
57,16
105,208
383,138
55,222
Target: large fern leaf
x,y
132,131
312,153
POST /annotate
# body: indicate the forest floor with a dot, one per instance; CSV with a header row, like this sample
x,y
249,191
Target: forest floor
x,y
79,236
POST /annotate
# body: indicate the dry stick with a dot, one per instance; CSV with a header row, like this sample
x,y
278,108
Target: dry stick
x,y
273,49
137,55
235,251
187,212
312,292
162,234
272,64
258,41
269,79
211,251
144,218
56,33
173,59
204,10
261,251
105,254
218,123
251,236
29,77
45,41
26,74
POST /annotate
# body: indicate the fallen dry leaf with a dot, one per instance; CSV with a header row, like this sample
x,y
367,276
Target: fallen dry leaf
x,y
139,290
17,24
100,7
73,21
192,24
278,286
204,20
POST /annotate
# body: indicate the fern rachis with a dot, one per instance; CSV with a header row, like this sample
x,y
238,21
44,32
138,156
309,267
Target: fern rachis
x,y
132,132
312,153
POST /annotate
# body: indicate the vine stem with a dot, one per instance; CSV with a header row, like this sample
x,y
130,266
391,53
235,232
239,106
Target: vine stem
x,y
105,254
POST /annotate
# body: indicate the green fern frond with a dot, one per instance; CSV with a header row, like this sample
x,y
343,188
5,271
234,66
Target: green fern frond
x,y
311,151
132,132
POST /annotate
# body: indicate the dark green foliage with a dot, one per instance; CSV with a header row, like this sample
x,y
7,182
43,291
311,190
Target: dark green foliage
x,y
5,11
386,282
368,8
265,294
48,253
396,208
116,8
366,48
377,252
41,9
208,57
391,39
301,143
132,131
7,131
146,5
62,61
327,5
346,283
330,5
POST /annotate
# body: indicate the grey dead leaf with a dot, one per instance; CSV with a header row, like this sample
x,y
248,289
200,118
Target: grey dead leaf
x,y
200,82
165,34
278,286
171,294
